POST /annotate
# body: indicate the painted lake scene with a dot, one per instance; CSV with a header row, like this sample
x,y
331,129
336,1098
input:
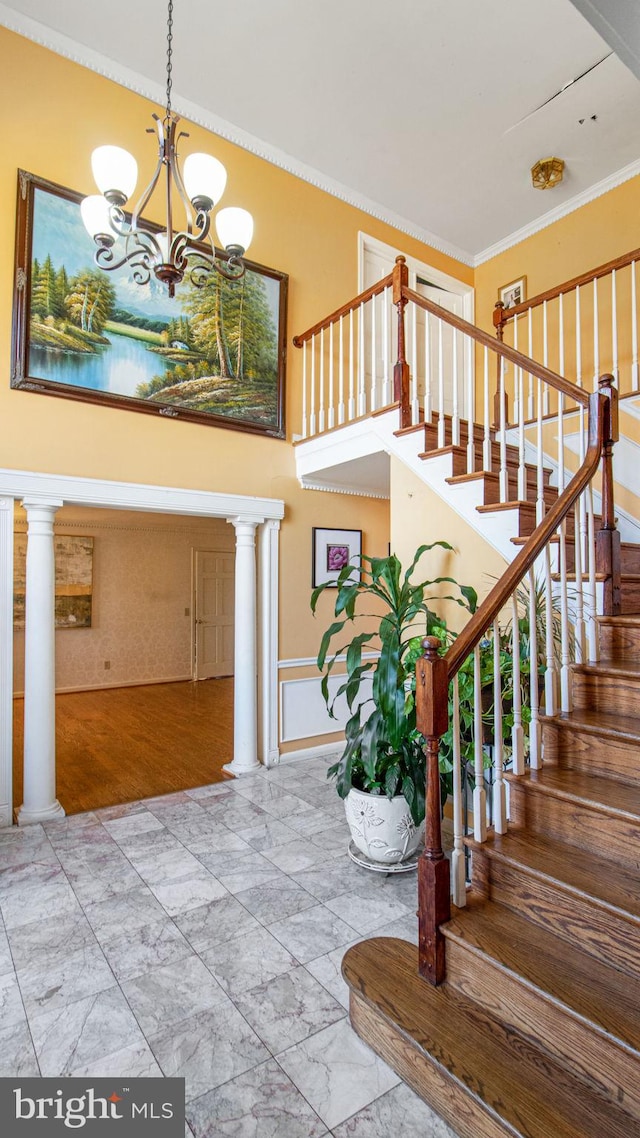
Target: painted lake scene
x,y
217,351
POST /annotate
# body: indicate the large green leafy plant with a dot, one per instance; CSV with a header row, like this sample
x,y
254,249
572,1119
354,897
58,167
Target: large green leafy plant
x,y
383,751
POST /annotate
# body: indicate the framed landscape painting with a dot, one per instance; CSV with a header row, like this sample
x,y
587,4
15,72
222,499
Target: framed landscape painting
x,y
212,355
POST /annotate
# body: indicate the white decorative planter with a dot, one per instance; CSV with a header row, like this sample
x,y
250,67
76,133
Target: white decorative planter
x,y
382,828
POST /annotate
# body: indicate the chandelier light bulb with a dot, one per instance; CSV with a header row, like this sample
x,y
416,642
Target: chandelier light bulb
x,y
94,211
115,172
204,179
235,228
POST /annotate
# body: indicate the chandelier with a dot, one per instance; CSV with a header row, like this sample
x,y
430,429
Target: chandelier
x,y
172,252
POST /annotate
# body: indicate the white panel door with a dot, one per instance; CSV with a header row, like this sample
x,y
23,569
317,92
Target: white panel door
x,y
214,580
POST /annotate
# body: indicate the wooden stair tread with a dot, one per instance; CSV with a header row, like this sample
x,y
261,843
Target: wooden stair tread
x,y
630,620
606,794
517,503
515,1082
611,666
602,724
581,871
594,992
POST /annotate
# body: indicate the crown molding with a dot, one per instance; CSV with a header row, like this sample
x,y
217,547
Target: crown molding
x,y
87,57
354,491
560,211
93,60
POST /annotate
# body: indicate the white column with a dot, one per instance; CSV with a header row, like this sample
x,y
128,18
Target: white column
x,y
6,661
40,802
245,693
268,536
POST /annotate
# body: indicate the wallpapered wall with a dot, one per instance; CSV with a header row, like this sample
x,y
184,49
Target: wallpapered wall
x,y
141,589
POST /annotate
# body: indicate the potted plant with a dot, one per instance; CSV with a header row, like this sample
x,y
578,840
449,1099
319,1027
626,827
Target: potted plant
x,y
381,772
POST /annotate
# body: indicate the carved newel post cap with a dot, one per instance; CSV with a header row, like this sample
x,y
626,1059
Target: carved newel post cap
x,y
400,260
606,380
431,646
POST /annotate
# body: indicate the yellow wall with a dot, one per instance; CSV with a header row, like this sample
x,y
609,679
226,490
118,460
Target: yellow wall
x,y
598,232
59,113
418,516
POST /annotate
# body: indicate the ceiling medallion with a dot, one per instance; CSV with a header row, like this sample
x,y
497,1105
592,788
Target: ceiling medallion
x,y
547,173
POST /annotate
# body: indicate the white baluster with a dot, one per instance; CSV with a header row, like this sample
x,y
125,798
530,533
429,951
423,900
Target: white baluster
x,y
580,629
499,789
614,325
373,401
321,385
455,422
540,506
441,422
486,445
596,336
471,405
415,396
362,392
635,384
545,354
479,792
428,393
352,398
304,390
517,731
312,414
519,390
458,872
504,472
341,371
592,626
332,413
530,404
535,750
386,316
550,674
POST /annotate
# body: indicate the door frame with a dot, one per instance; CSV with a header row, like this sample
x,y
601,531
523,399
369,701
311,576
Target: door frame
x,y
194,592
266,513
416,269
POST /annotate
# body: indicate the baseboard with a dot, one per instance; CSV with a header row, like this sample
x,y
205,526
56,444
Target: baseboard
x,y
120,684
331,751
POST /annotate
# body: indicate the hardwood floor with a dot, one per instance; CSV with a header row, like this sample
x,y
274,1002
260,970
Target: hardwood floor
x,y
122,744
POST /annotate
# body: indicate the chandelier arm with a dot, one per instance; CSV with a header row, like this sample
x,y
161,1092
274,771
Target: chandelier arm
x,y
143,201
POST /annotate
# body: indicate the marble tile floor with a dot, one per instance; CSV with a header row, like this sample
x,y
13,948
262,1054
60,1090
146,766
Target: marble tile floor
x,y
200,935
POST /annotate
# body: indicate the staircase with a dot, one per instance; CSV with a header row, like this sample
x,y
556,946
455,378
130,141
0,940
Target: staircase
x,y
535,1032
524,509
518,1013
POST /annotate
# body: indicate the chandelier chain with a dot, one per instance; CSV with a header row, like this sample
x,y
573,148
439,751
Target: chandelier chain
x,y
169,55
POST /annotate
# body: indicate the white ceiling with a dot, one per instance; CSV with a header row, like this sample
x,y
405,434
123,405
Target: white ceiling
x,y
424,111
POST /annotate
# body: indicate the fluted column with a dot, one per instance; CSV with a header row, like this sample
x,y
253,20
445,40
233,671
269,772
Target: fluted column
x,y
40,802
245,694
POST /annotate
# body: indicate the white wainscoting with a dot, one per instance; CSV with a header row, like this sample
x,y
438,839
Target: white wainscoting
x,y
303,713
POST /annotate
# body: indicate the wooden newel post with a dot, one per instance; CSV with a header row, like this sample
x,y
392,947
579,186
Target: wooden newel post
x,y
434,894
401,368
608,537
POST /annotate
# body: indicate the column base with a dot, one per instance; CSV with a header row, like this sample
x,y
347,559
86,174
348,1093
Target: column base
x,y
238,768
51,813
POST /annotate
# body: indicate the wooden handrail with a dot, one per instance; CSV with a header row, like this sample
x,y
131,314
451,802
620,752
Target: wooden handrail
x,y
432,684
502,315
484,616
578,394
350,306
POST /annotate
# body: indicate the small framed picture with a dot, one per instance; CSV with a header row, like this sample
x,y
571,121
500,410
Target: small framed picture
x,y
514,293
332,550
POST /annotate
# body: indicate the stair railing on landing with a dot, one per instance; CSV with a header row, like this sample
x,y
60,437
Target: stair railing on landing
x,y
443,370
587,326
